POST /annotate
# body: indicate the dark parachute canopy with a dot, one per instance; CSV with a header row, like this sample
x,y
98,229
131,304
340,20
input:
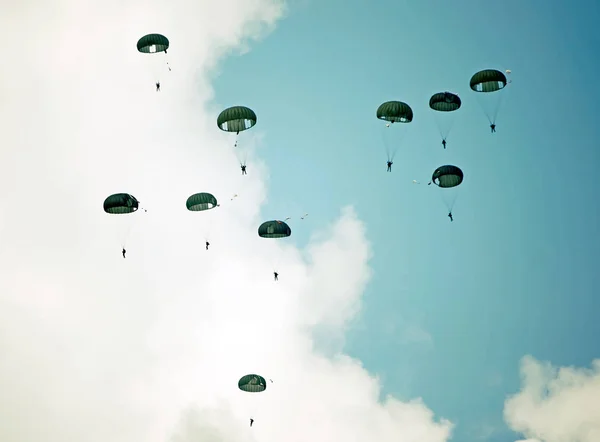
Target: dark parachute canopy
x,y
236,119
201,201
488,80
395,112
152,43
274,229
444,102
447,176
252,383
120,203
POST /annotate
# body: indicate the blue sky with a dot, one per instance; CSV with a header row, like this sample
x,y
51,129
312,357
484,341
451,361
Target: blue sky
x,y
516,272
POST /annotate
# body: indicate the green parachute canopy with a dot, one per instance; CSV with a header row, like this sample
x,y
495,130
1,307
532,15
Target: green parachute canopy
x,y
444,102
447,176
120,203
274,229
236,119
152,43
252,383
488,80
201,201
395,112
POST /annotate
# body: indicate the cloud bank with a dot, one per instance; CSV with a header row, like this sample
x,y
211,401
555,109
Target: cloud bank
x,y
149,348
556,404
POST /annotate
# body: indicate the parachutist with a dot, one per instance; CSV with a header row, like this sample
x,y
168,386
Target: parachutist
x,y
244,169
251,421
444,143
207,244
276,276
389,165
493,127
123,252
158,87
450,216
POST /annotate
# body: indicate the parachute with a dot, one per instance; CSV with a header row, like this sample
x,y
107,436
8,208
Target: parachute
x,y
393,112
274,229
153,44
122,204
237,119
445,104
448,177
252,383
200,202
487,82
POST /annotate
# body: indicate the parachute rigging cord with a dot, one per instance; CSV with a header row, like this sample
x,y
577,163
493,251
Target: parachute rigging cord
x,y
393,112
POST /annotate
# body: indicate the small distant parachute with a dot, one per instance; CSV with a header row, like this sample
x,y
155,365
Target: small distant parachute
x,y
393,112
234,196
305,215
274,229
154,44
487,82
201,201
448,177
237,119
508,71
122,204
445,104
416,182
252,383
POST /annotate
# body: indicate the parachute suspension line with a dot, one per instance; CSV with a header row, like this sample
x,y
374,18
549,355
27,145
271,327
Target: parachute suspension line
x,y
497,108
168,66
385,143
449,198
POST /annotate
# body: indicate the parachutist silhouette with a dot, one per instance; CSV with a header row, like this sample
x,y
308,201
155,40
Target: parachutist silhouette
x,y
244,169
123,252
158,87
251,421
207,244
444,143
493,127
276,276
450,216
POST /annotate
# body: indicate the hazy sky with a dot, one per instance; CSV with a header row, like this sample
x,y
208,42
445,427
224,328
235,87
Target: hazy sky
x,y
388,323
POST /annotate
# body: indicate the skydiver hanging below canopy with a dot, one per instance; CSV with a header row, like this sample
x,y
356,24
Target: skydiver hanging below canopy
x,y
389,165
493,127
152,44
450,216
251,421
244,169
123,252
207,244
444,143
276,276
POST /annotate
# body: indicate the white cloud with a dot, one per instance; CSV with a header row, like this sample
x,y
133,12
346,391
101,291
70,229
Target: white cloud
x,y
556,404
96,347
